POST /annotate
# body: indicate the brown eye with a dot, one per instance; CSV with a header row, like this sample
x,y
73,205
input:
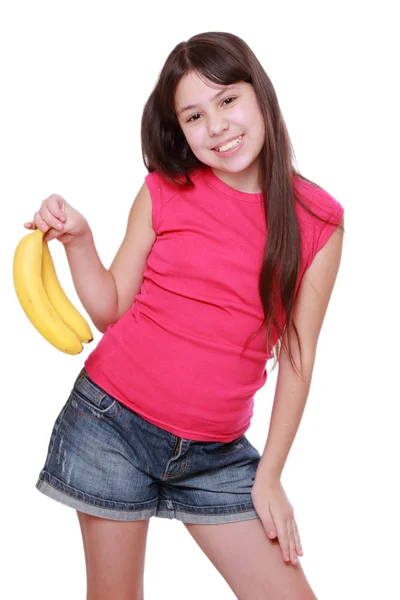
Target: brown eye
x,y
192,118
229,100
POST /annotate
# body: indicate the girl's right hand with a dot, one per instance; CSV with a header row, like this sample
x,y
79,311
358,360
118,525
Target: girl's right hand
x,y
59,220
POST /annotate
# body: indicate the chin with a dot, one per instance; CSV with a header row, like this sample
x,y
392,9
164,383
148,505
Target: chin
x,y
232,166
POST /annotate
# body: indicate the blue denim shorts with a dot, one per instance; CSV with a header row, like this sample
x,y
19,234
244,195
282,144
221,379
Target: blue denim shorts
x,y
105,460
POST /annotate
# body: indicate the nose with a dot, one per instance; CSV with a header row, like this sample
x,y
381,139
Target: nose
x,y
217,124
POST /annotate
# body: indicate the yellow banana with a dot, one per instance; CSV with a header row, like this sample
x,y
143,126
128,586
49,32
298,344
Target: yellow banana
x,y
27,274
67,311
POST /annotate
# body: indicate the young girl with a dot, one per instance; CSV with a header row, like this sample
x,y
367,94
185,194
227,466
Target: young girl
x,y
229,259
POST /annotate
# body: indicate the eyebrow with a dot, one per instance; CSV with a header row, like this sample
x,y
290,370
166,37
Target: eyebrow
x,y
217,95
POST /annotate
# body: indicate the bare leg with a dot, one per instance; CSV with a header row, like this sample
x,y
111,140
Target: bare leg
x,y
250,562
115,557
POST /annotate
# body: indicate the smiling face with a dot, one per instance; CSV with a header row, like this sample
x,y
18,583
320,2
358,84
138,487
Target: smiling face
x,y
224,128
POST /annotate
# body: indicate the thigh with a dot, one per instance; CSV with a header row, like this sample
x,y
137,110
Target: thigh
x,y
115,557
250,562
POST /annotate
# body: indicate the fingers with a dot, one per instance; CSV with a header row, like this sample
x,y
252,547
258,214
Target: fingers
x,y
51,234
283,537
289,541
292,549
277,516
269,526
53,205
30,225
297,540
49,219
51,213
288,535
49,216
40,222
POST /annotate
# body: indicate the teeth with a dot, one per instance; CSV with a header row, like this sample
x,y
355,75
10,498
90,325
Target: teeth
x,y
230,145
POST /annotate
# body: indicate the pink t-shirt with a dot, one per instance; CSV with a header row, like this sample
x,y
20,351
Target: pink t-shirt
x,y
175,356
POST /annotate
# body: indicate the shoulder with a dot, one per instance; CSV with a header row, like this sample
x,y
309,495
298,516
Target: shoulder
x,y
158,184
156,178
317,226
163,189
318,200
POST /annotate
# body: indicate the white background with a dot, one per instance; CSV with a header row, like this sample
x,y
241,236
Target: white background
x,y
74,79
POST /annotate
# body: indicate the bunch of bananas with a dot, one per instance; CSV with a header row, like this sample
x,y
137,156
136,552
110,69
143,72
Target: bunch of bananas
x,y
43,299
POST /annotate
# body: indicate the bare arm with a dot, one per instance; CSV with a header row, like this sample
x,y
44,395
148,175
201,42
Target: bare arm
x,y
291,393
94,284
107,294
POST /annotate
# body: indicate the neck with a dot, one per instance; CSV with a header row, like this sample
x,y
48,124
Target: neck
x,y
243,181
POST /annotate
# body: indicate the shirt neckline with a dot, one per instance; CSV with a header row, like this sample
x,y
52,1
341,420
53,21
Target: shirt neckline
x,y
218,184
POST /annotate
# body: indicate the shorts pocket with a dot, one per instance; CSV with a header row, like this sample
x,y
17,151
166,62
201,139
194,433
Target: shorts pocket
x,y
88,399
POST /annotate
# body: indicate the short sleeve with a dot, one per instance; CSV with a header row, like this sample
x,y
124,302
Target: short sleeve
x,y
154,184
314,232
327,228
161,191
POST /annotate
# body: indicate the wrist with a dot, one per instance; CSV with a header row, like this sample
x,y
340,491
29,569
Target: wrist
x,y
80,240
268,472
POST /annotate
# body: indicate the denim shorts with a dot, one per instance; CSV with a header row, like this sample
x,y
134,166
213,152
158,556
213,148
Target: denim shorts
x,y
106,460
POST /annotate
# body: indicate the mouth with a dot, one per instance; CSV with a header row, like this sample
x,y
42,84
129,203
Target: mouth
x,y
229,144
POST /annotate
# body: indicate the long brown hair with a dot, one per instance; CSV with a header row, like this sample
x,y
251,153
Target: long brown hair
x,y
224,58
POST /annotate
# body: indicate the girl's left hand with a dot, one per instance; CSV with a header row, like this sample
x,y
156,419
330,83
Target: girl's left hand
x,y
277,516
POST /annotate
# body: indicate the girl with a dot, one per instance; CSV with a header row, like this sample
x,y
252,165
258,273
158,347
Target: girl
x,y
229,259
